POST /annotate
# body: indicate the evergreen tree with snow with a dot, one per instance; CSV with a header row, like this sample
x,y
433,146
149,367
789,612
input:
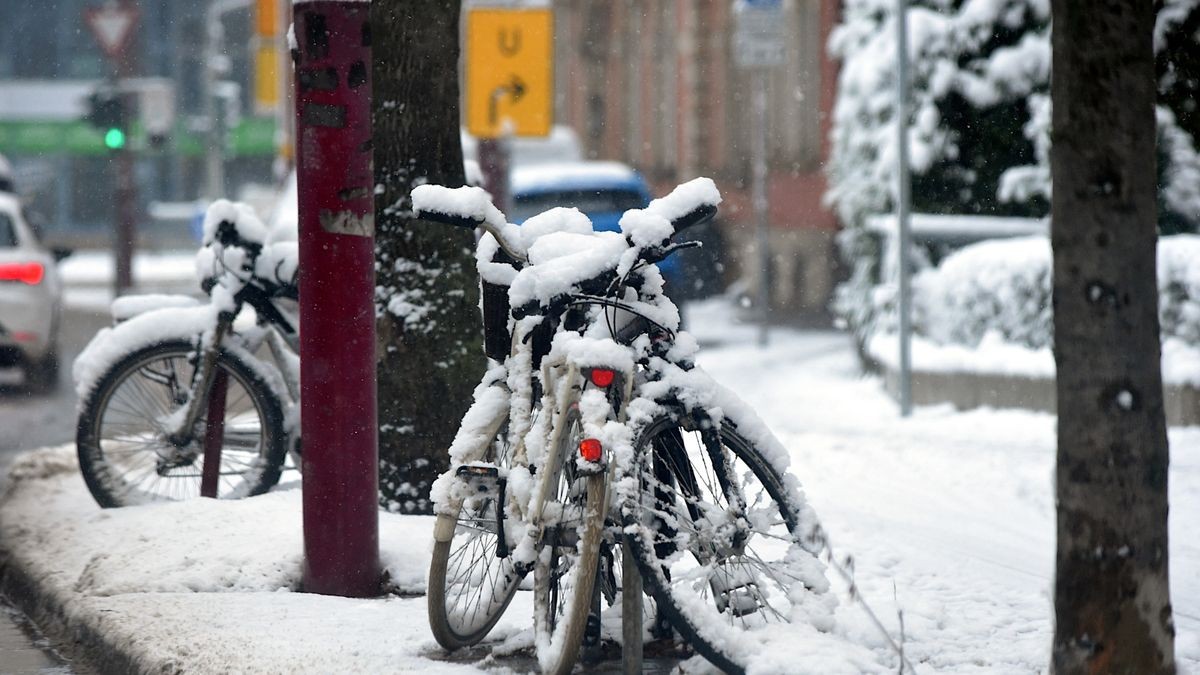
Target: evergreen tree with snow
x,y
979,122
980,109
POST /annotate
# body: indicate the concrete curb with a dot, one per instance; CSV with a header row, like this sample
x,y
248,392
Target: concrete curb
x,y
75,638
976,390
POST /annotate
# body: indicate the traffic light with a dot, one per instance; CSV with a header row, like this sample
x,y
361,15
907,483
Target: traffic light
x,y
106,112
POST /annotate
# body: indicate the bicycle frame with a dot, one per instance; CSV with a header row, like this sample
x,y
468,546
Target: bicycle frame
x,y
276,332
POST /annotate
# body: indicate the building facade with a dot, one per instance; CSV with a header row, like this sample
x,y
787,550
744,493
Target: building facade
x,y
653,83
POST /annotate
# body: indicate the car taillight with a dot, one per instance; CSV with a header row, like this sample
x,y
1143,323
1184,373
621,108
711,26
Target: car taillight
x,y
27,273
590,449
602,377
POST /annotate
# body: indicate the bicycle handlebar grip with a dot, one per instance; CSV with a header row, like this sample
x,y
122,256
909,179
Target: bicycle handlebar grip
x,y
696,216
468,207
448,218
689,204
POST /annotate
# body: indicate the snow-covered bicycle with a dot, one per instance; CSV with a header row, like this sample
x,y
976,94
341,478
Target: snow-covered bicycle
x,y
593,426
174,401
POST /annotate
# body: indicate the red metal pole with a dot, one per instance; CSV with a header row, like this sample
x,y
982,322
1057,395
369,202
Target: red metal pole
x,y
214,434
337,286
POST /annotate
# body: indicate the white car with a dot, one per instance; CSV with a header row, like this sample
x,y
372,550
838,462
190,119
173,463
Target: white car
x,y
30,299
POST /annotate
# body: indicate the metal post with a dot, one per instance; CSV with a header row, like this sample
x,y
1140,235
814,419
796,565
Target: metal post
x,y
902,206
337,311
494,164
759,197
126,219
283,119
214,36
631,613
126,193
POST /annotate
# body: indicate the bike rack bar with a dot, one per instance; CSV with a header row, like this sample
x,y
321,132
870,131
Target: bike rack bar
x,y
214,434
631,613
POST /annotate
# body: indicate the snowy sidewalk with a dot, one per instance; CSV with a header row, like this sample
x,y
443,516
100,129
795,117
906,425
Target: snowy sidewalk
x,y
954,511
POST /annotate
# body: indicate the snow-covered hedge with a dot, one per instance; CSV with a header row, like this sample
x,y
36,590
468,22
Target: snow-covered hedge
x,y
1000,287
999,291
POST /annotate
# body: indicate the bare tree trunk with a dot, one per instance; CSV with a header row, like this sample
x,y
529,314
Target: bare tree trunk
x,y
1111,595
429,351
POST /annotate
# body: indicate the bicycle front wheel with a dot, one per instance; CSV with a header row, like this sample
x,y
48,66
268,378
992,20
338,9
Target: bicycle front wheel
x,y
565,572
124,451
716,537
472,578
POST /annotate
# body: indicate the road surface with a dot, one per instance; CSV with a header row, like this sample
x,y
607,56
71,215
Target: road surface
x,y
27,422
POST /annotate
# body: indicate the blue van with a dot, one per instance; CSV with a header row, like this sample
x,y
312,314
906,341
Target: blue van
x,y
601,190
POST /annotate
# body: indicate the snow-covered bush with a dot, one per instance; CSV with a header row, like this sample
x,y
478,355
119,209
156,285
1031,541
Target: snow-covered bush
x,y
1179,287
1000,287
1000,291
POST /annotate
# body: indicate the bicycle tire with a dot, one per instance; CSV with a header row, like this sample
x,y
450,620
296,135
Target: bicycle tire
x,y
685,587
126,469
452,626
565,566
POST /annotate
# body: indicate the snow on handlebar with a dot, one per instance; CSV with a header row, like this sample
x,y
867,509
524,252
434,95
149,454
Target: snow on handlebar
x,y
688,204
465,206
696,195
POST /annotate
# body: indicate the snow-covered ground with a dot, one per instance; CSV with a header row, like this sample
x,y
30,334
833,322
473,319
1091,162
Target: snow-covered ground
x,y
948,516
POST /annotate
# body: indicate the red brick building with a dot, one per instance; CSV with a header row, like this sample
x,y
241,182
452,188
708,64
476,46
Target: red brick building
x,y
653,83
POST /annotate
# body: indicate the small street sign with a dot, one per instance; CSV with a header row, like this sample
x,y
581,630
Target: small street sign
x,y
510,72
112,25
760,36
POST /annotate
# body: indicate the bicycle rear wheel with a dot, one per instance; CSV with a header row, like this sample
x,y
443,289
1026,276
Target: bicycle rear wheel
x,y
471,578
125,455
714,574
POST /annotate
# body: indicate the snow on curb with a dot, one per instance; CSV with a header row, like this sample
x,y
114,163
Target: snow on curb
x,y
200,586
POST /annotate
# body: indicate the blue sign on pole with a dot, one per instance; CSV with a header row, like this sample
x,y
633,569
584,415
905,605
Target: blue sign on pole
x,y
758,37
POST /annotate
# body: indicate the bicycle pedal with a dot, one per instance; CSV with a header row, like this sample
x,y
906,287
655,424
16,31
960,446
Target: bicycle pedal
x,y
477,471
482,478
735,592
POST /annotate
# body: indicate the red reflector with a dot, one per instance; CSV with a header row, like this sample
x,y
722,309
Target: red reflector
x,y
590,448
29,273
602,377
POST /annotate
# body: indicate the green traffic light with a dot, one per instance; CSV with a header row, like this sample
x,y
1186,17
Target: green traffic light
x,y
114,139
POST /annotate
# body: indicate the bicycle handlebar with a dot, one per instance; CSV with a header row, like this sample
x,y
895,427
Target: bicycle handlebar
x,y
454,219
700,214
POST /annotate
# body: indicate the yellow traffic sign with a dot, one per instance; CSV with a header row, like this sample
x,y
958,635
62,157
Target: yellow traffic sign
x,y
510,72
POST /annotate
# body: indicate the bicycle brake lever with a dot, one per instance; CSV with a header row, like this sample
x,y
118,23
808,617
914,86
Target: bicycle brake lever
x,y
684,244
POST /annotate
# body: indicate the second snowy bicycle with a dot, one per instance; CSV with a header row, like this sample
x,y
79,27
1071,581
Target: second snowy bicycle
x,y
593,426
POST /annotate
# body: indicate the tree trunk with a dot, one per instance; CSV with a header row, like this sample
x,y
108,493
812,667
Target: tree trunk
x,y
426,296
1111,595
